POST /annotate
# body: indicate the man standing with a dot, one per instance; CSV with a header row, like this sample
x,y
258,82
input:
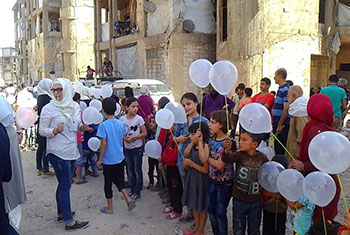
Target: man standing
x,y
237,99
338,98
265,97
280,117
298,114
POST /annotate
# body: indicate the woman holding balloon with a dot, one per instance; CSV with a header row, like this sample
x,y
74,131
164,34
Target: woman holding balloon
x,y
59,122
320,112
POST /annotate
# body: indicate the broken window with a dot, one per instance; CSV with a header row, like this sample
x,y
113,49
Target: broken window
x,y
224,20
54,22
322,11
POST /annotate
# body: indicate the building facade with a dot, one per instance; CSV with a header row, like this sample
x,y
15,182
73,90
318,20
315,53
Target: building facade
x,y
60,38
7,66
155,40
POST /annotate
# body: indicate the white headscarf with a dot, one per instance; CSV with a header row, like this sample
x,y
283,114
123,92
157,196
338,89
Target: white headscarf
x,y
68,107
6,113
298,107
144,90
44,87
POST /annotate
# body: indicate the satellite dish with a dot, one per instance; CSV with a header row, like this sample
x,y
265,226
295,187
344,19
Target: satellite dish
x,y
188,26
149,7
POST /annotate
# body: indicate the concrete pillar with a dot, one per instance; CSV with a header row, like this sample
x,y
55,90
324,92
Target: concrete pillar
x,y
69,53
111,17
97,7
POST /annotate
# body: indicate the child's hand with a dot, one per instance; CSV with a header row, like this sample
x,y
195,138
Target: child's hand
x,y
199,136
99,164
227,145
297,165
187,162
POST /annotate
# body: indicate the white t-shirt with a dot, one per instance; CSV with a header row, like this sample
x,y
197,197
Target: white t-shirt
x,y
133,128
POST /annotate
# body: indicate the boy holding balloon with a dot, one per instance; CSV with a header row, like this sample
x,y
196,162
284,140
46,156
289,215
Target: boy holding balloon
x,y
246,189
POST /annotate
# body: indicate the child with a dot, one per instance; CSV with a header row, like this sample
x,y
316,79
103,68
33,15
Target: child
x,y
89,155
248,98
299,215
196,186
220,175
275,223
112,158
136,131
152,163
169,158
246,190
346,130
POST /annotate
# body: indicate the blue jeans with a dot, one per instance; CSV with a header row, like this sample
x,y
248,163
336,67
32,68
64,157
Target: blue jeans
x,y
219,197
134,162
92,158
247,211
63,170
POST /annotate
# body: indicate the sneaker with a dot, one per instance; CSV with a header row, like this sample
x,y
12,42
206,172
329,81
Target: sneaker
x,y
149,186
186,219
48,174
39,172
130,194
60,218
77,225
134,197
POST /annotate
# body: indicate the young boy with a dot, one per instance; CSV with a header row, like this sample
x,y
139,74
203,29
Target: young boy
x,y
112,158
248,98
246,189
152,163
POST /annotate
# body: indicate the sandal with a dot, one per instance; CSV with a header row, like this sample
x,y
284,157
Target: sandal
x,y
190,232
105,211
172,215
82,181
131,205
168,209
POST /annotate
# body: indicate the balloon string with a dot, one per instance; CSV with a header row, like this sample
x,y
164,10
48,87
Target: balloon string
x,y
177,145
227,117
274,136
201,109
343,194
324,222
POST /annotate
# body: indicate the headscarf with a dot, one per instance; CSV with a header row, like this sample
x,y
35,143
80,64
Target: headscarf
x,y
128,92
66,105
44,87
299,107
6,113
144,90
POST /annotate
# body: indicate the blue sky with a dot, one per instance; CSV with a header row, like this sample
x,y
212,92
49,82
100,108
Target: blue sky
x,y
7,23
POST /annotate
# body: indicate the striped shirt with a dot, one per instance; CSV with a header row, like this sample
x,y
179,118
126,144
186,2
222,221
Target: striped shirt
x,y
64,144
281,98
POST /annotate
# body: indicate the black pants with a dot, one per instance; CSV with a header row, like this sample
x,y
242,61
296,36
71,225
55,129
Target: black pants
x,y
113,174
282,137
269,220
151,164
175,188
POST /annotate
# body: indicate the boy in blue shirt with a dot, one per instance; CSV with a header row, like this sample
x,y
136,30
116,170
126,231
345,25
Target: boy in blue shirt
x,y
112,158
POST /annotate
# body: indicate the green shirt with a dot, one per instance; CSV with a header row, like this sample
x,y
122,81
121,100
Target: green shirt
x,y
336,94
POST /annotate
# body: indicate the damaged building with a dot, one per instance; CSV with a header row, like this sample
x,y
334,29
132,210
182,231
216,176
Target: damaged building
x,y
311,39
60,38
155,39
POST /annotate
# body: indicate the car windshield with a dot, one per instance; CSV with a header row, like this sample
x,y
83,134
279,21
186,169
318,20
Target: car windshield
x,y
157,88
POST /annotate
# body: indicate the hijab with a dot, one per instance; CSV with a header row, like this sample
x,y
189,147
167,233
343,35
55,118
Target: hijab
x,y
67,106
6,113
44,87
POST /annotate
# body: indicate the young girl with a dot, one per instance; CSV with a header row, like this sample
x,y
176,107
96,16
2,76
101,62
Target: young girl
x,y
220,175
191,105
299,215
152,163
196,186
136,131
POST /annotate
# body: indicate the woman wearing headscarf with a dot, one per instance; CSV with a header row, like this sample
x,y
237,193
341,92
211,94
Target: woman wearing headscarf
x,y
14,191
59,123
146,103
42,164
320,112
128,92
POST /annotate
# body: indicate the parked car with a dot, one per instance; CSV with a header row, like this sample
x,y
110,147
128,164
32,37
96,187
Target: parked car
x,y
157,88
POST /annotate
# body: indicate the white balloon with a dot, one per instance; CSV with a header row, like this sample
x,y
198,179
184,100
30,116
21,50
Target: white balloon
x,y
153,149
90,115
223,76
97,93
290,184
94,143
96,104
319,188
165,118
25,117
255,118
199,72
106,91
11,99
267,175
118,109
98,118
178,110
78,87
268,151
92,91
82,105
329,152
